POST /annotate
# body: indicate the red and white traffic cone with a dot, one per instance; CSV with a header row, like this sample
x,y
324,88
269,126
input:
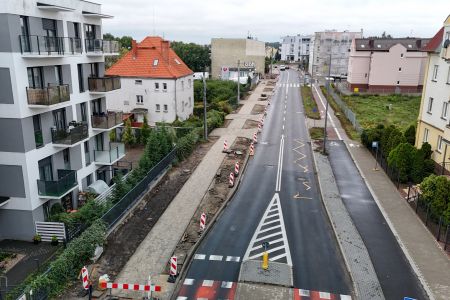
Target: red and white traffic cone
x,y
236,169
173,269
231,180
252,149
255,138
202,221
225,146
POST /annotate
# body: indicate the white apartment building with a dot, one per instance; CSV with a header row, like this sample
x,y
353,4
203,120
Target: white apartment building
x,y
434,116
331,44
295,48
54,138
155,82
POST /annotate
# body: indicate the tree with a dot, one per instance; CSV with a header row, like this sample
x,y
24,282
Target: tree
x,y
196,57
112,135
120,189
401,158
145,130
128,137
125,42
410,134
436,193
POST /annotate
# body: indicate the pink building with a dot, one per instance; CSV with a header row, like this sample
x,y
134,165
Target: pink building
x,y
387,65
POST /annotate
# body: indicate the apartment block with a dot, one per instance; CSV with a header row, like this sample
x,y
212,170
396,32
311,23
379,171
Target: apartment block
x,y
296,48
331,45
54,140
434,116
387,65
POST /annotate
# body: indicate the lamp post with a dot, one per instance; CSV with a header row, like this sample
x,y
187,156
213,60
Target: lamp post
x,y
326,108
205,125
238,81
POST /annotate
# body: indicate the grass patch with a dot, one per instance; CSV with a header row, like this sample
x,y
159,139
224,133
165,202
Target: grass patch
x,y
316,133
372,110
309,104
345,123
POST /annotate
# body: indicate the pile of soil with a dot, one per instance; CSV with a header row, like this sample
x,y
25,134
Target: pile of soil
x,y
267,89
258,109
250,124
214,199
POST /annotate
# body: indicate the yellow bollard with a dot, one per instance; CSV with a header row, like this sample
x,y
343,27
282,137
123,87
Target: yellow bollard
x,y
265,262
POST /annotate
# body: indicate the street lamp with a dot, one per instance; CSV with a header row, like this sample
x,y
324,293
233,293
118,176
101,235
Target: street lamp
x,y
326,108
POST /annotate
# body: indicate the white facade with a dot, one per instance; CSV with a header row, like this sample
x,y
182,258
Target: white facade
x,y
27,135
295,48
163,104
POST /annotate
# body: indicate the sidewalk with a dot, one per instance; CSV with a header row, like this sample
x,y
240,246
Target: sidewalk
x,y
428,260
152,255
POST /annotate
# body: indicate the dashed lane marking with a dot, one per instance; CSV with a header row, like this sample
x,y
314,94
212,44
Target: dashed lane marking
x,y
273,232
188,281
215,257
208,283
199,256
233,258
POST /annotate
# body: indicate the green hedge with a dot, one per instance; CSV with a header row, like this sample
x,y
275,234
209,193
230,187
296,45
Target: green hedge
x,y
436,193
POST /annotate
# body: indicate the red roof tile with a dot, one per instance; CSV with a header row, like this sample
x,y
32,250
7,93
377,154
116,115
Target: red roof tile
x,y
139,61
435,42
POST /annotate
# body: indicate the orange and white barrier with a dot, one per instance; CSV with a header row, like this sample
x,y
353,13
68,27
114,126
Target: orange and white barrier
x,y
255,138
236,169
173,266
231,180
259,126
225,146
133,287
85,277
252,149
202,221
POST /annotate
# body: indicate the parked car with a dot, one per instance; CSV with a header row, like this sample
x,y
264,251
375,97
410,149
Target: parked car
x,y
287,67
282,67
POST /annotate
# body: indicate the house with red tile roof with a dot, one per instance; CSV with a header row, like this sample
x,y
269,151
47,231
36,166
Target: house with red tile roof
x,y
155,82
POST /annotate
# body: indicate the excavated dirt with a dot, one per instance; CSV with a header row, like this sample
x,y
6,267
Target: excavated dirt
x,y
213,200
267,89
258,109
250,124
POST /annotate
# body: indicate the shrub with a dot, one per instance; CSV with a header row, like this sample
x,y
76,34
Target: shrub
x,y
400,158
410,134
145,131
436,193
56,209
128,137
186,144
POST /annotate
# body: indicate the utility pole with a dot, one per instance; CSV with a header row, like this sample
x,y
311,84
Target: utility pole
x,y
205,125
326,108
238,82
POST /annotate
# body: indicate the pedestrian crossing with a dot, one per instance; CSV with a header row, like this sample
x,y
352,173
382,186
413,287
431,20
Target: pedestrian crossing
x,y
199,256
295,85
270,229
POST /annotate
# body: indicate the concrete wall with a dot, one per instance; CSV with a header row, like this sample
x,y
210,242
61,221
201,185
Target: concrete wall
x,y
227,52
19,224
11,181
6,95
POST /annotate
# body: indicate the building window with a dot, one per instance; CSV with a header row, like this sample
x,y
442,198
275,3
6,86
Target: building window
x,y
425,135
177,61
66,158
87,154
435,73
398,82
182,85
190,101
190,81
444,110
182,106
83,112
439,143
430,105
89,180
158,108
401,55
164,86
448,76
139,99
38,138
138,81
156,86
80,78
155,62
165,108
399,69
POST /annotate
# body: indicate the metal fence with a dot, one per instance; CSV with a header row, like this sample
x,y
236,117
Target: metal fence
x,y
349,114
115,213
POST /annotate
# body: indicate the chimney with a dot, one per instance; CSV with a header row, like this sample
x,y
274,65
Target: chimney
x,y
165,50
134,48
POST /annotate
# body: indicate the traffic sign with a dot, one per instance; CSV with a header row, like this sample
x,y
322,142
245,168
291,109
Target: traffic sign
x,y
265,245
314,109
374,144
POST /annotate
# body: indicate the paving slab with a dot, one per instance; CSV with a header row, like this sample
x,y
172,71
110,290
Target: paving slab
x,y
276,274
251,291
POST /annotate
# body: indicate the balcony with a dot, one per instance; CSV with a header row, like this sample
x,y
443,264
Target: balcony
x,y
106,121
103,84
70,135
100,47
44,46
38,138
108,157
55,189
51,95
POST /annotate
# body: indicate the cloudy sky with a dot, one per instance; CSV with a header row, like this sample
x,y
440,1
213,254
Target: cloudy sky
x,y
200,20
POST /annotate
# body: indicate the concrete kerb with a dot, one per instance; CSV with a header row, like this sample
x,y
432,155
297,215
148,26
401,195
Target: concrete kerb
x,y
347,264
189,256
394,231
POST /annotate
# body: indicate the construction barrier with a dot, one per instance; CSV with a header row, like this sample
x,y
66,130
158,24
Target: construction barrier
x,y
231,182
133,287
225,146
173,272
252,149
255,138
259,126
202,221
236,169
85,277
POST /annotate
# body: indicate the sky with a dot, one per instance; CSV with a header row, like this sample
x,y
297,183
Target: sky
x,y
200,20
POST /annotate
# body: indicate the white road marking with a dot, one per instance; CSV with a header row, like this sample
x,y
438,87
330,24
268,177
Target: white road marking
x,y
208,283
182,298
188,281
227,284
199,256
280,164
271,222
329,116
271,242
303,292
270,228
283,129
346,297
275,258
215,257
284,119
323,295
233,258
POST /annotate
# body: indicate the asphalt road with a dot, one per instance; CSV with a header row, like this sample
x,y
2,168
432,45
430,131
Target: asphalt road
x,y
316,260
396,276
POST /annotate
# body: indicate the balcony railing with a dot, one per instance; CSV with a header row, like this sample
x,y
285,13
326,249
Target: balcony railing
x,y
101,46
106,120
50,95
67,180
49,45
103,84
70,135
110,156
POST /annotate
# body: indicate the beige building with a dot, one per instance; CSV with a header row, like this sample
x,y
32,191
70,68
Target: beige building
x,y
434,116
387,65
225,54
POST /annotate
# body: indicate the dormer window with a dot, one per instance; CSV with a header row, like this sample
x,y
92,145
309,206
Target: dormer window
x,y
155,62
177,61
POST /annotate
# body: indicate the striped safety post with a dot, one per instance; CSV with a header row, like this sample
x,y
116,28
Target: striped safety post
x,y
252,149
236,169
131,286
173,271
202,221
85,277
225,146
259,126
255,138
262,121
231,181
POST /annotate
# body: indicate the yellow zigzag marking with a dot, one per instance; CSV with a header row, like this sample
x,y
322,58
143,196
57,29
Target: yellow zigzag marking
x,y
302,155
